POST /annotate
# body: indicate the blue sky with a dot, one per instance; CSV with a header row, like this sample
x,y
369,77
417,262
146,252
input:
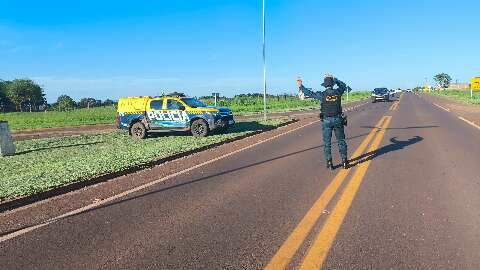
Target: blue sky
x,y
108,49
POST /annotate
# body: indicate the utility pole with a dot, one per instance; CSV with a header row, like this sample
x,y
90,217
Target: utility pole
x,y
216,95
264,66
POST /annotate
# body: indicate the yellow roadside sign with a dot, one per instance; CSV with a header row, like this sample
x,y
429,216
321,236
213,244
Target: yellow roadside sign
x,y
475,84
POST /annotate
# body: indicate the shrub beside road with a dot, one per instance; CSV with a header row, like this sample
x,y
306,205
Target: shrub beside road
x,y
43,164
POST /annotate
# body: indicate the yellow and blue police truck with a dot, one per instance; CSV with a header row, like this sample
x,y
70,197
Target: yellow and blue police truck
x,y
175,112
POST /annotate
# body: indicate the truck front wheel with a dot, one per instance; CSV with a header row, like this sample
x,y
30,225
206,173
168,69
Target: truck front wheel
x,y
138,131
199,128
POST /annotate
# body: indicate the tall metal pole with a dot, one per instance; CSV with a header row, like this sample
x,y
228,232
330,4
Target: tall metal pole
x,y
264,66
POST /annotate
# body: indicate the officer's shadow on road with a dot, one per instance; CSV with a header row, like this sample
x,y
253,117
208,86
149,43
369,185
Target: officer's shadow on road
x,y
395,145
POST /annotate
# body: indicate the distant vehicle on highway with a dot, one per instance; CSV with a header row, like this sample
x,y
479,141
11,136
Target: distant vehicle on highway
x,y
380,94
174,112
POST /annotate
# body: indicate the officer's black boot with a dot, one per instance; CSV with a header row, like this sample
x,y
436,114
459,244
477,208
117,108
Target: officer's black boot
x,y
329,164
345,163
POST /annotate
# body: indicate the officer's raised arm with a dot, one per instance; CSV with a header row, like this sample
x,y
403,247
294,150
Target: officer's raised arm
x,y
342,87
304,92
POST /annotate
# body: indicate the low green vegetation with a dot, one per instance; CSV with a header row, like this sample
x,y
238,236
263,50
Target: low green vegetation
x,y
357,95
57,161
242,104
246,104
460,95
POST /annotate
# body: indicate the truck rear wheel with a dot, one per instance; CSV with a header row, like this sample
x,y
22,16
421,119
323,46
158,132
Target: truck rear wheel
x,y
138,131
199,128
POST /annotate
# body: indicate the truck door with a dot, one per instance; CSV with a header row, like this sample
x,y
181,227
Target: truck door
x,y
177,117
155,113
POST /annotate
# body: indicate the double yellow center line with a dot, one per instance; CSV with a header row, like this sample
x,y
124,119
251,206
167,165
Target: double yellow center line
x,y
323,241
394,106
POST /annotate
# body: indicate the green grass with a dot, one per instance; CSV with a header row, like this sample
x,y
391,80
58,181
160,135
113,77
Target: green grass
x,y
52,119
245,105
43,164
248,105
463,96
357,95
106,115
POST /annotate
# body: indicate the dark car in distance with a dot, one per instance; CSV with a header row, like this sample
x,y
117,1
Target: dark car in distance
x,y
380,94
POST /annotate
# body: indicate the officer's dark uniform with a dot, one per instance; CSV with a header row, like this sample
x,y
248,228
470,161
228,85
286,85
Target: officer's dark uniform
x,y
331,115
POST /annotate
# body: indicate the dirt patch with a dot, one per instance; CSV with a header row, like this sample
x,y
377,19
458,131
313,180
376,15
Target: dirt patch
x,y
59,132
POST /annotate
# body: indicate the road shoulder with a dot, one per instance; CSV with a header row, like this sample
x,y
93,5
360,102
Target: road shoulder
x,y
471,112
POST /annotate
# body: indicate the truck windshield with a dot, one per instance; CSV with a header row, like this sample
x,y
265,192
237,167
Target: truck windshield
x,y
380,90
193,102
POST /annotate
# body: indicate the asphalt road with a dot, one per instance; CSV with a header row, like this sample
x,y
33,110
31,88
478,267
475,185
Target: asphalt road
x,y
410,202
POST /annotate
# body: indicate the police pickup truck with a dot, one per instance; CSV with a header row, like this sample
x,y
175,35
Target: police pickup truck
x,y
176,112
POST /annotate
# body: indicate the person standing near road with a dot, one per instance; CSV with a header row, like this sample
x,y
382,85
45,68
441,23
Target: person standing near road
x,y
331,115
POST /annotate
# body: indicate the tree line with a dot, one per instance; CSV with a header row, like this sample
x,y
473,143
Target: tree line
x,y
21,95
25,95
66,103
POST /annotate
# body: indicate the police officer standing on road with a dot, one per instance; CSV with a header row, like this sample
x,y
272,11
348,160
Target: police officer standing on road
x,y
331,115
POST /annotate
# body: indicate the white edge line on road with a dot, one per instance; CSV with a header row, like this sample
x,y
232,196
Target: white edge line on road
x,y
142,187
441,107
461,118
469,122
